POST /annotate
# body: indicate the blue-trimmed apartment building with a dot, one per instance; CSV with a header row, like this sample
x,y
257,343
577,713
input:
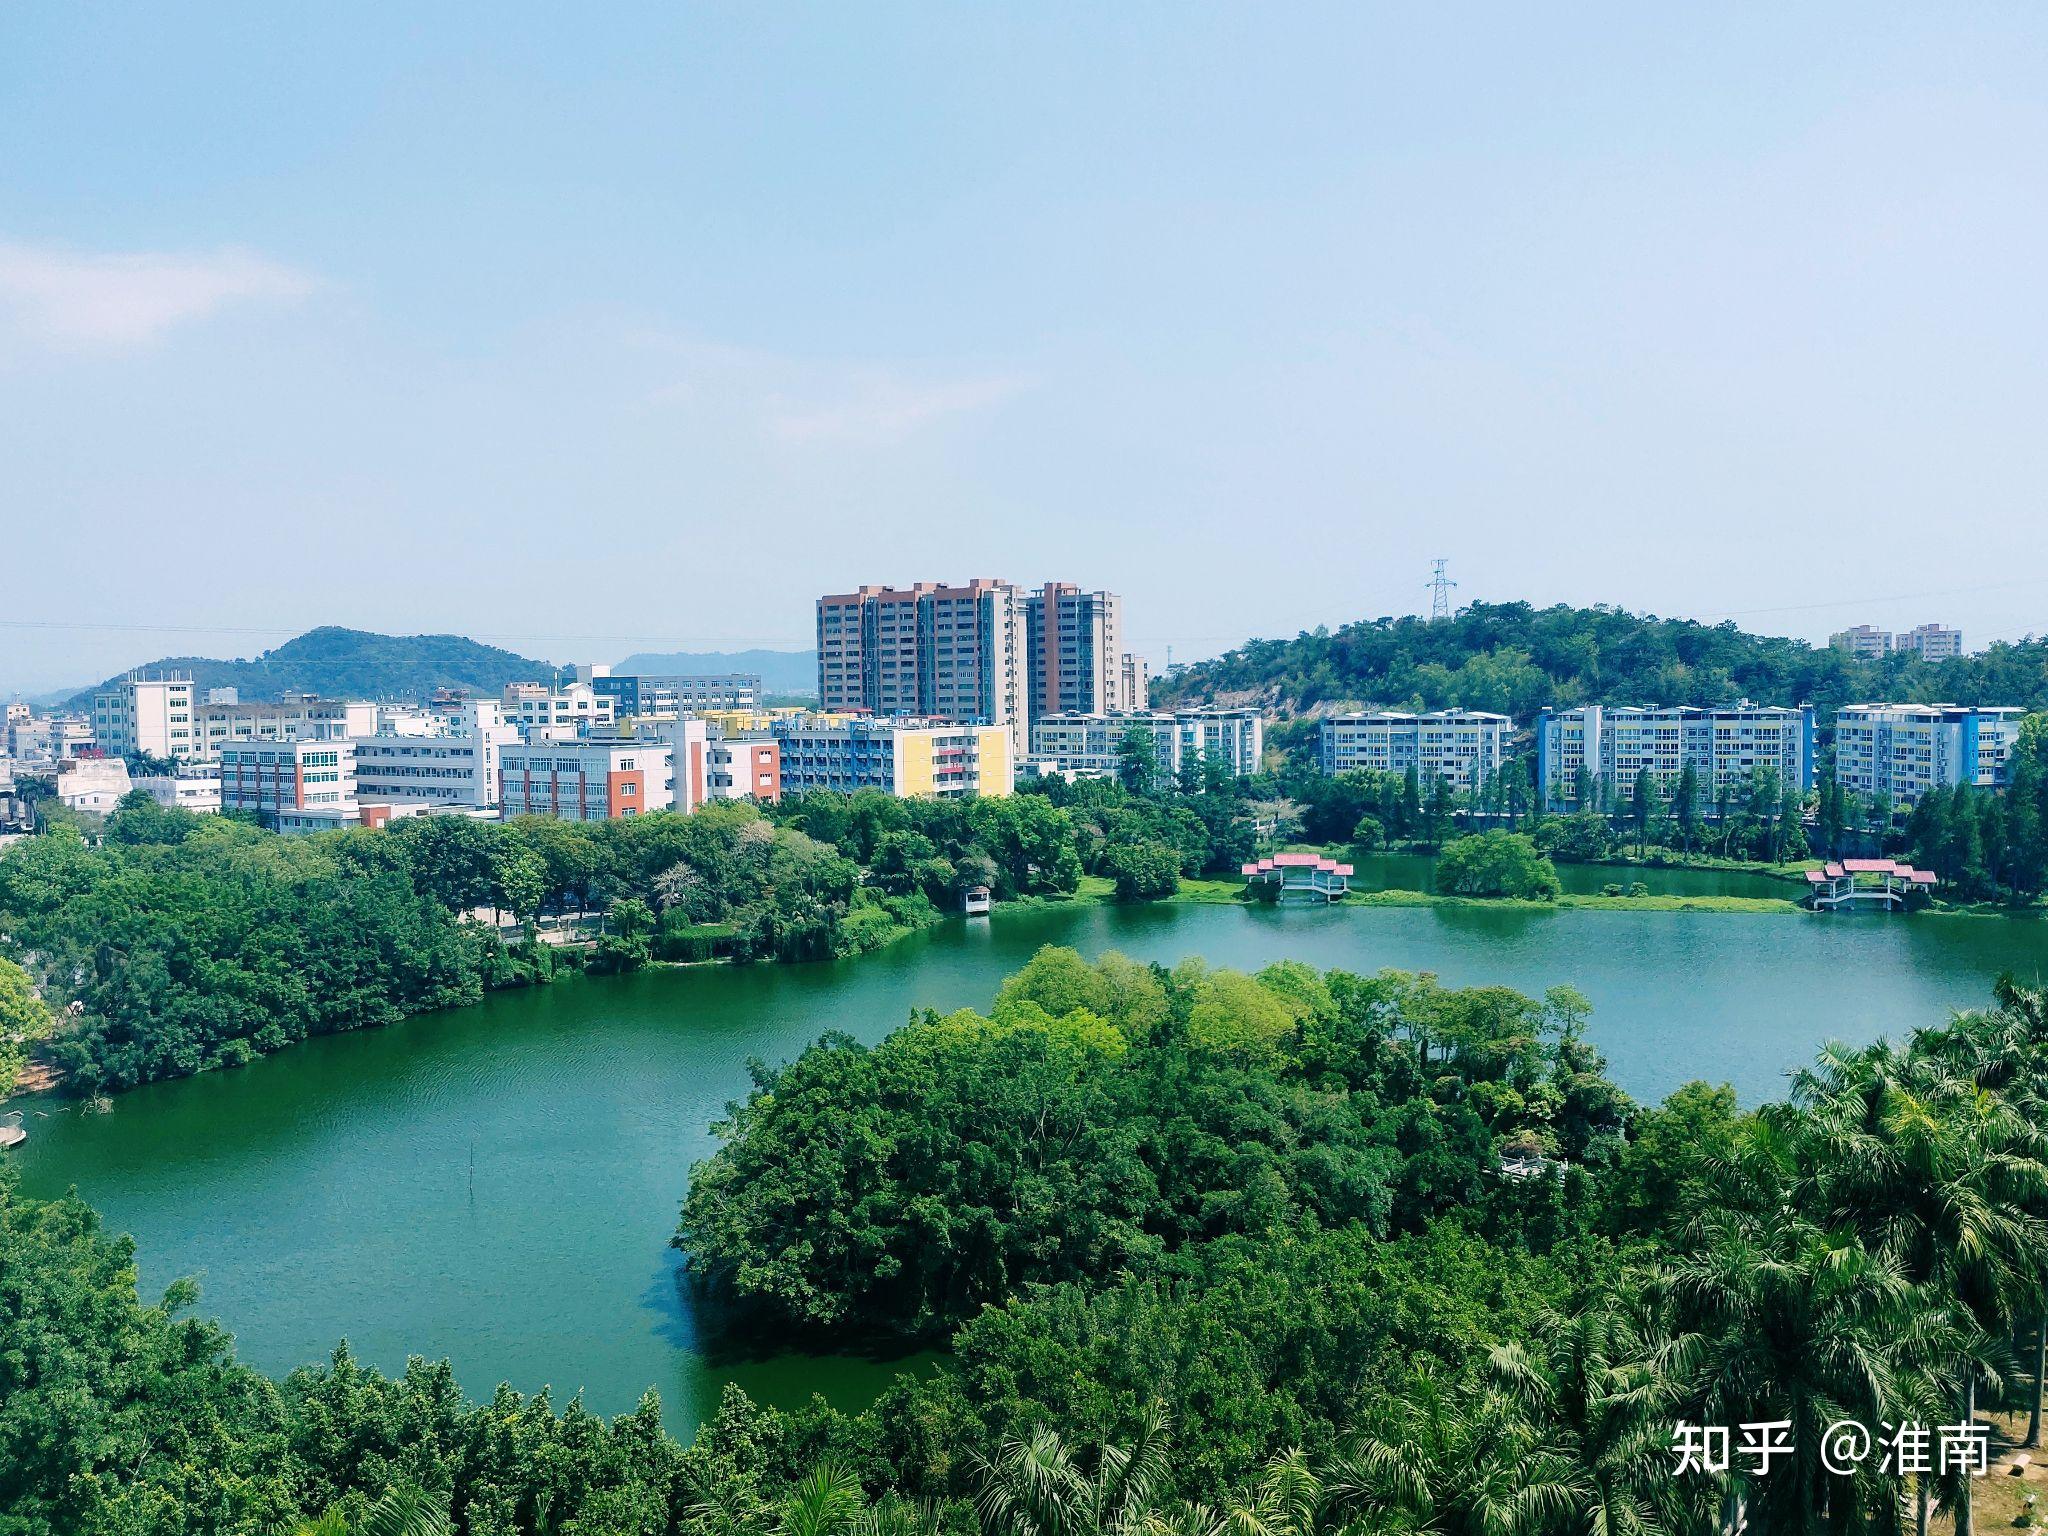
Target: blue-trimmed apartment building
x,y
1724,746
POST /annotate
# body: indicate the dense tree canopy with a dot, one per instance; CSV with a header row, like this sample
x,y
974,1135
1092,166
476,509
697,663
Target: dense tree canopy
x,y
1101,1116
191,942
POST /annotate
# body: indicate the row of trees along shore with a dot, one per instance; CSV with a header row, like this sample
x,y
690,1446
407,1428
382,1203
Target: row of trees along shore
x,y
1208,1253
172,943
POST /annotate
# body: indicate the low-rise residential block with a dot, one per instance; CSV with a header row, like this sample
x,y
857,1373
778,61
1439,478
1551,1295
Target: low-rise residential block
x,y
914,758
421,757
1463,747
745,768
1090,745
95,784
586,779
1606,747
1892,754
644,696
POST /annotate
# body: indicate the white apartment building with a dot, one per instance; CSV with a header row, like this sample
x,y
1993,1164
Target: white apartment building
x,y
1930,642
1464,747
1864,641
1091,745
664,696
744,767
68,735
1137,681
196,790
326,818
420,758
165,717
32,738
1233,736
294,717
555,713
1892,754
914,758
141,714
274,777
1724,746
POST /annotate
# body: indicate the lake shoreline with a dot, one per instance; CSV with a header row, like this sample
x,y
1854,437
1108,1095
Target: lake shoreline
x,y
1098,891
505,1185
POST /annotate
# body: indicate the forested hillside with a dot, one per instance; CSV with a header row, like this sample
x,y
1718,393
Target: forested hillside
x,y
1516,658
357,664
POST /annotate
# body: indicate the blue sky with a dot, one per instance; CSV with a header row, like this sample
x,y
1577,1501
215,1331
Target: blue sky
x,y
590,329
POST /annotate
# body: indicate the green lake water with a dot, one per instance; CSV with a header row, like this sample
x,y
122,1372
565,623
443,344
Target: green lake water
x,y
498,1184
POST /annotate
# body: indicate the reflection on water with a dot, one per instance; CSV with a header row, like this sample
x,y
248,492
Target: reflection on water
x,y
1414,872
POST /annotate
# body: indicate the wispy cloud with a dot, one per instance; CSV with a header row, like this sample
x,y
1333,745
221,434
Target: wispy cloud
x,y
813,401
96,300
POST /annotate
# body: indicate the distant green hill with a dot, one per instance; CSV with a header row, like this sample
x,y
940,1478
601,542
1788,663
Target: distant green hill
x,y
354,663
1515,659
781,672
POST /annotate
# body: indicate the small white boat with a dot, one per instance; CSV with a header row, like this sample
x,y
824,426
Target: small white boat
x,y
13,1135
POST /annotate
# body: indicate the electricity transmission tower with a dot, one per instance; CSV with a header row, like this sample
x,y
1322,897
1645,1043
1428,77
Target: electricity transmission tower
x,y
1439,591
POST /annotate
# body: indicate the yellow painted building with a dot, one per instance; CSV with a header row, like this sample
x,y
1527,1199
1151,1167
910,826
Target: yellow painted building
x,y
917,759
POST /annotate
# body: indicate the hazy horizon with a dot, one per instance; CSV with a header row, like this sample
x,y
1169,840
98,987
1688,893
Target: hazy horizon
x,y
583,336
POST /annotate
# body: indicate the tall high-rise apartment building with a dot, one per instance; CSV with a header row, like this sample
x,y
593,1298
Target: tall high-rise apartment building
x,y
1866,641
954,652
1074,650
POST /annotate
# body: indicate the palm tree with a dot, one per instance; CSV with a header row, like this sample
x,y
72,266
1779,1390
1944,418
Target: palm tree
x,y
1598,1388
1287,1500
1457,1460
1037,1486
1776,1320
402,1511
1942,1175
2006,1051
827,1501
